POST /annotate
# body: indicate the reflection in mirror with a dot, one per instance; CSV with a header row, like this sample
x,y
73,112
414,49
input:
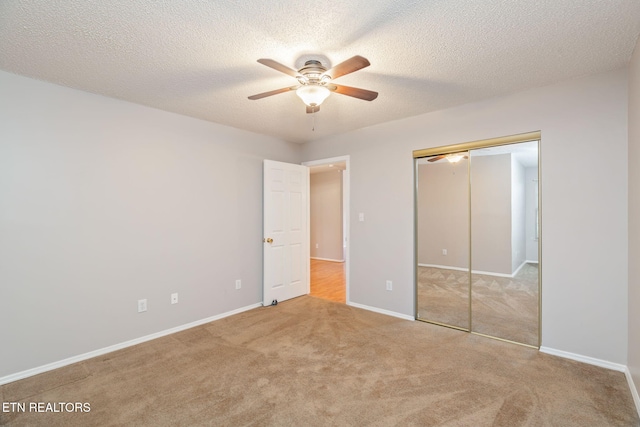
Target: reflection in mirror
x,y
504,242
442,216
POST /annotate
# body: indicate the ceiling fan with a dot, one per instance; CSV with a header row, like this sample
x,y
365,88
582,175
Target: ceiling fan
x,y
315,81
452,157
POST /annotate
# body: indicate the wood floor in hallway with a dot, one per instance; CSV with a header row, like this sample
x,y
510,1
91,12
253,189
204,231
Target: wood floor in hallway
x,y
328,280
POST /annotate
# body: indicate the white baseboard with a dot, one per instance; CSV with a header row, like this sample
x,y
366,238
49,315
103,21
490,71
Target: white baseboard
x,y
444,267
327,259
79,358
518,269
601,363
381,311
485,273
584,359
634,390
491,273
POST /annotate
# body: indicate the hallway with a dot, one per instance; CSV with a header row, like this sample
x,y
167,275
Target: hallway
x,y
328,280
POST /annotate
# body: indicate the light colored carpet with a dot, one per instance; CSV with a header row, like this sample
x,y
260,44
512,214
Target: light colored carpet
x,y
443,296
501,306
312,362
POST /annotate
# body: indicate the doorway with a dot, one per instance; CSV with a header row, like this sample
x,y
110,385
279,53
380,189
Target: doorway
x,y
329,228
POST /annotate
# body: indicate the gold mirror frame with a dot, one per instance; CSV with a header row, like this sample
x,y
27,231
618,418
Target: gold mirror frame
x,y
467,146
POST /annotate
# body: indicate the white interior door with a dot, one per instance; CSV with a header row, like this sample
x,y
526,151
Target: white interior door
x,y
286,231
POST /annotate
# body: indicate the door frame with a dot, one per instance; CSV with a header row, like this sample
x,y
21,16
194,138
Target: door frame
x,y
346,200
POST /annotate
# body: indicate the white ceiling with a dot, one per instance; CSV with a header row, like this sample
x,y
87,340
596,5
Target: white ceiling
x,y
198,58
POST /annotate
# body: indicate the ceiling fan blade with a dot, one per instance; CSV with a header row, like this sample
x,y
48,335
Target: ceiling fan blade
x,y
349,66
279,67
367,95
273,92
311,110
442,156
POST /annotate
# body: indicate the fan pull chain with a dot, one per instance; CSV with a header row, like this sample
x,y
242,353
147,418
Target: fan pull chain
x,y
313,121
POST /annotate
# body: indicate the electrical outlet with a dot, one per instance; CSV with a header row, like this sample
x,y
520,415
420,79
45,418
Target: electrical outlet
x,y
317,246
389,285
142,305
174,298
444,252
238,284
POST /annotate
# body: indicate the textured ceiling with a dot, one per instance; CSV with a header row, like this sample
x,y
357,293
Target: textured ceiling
x,y
198,58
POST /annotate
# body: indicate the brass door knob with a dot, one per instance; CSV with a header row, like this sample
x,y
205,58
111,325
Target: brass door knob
x,y
268,240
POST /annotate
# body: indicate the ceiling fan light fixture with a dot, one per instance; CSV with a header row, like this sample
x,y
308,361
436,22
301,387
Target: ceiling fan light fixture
x,y
454,158
313,95
315,82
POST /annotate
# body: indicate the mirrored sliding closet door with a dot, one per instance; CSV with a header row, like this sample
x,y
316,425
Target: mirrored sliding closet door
x,y
443,239
477,237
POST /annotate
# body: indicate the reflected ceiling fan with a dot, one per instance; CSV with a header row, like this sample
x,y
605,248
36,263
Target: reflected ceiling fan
x,y
452,157
315,81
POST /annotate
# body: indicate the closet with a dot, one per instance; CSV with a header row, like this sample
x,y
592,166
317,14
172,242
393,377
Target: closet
x,y
477,240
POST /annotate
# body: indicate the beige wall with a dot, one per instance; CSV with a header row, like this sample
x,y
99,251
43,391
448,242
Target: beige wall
x,y
326,215
531,194
491,213
443,213
497,210
518,215
104,202
584,215
634,219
